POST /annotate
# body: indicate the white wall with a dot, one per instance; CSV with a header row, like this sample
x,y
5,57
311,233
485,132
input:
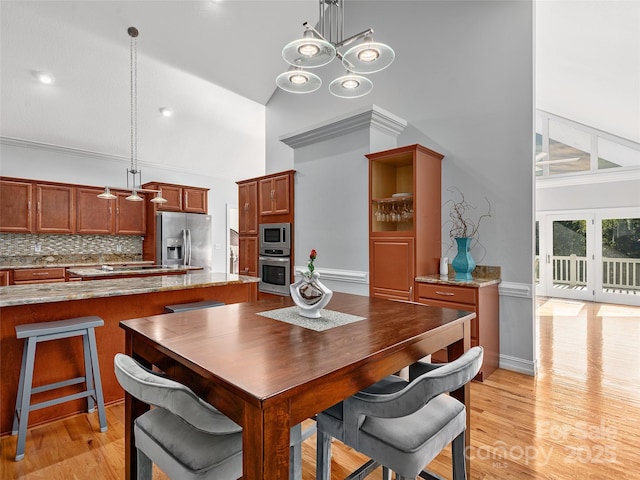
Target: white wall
x,y
464,73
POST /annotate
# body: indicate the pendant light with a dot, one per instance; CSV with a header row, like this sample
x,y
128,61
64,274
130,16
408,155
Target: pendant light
x,y
134,174
318,48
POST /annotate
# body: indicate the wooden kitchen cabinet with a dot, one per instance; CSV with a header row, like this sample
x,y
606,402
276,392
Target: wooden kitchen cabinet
x,y
16,199
180,198
55,208
5,278
274,193
266,199
248,255
392,268
484,300
194,200
172,194
130,217
39,275
94,215
404,219
248,208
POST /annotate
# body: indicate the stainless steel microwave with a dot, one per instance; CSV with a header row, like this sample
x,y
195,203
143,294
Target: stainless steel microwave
x,y
275,239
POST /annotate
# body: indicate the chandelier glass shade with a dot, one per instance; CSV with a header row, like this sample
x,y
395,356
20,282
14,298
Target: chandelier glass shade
x,y
134,174
298,81
319,47
368,57
350,86
309,51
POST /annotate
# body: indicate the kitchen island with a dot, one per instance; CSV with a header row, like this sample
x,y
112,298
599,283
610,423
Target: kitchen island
x,y
112,300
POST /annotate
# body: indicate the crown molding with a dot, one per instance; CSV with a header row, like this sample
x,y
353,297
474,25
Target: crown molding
x,y
368,117
18,142
109,157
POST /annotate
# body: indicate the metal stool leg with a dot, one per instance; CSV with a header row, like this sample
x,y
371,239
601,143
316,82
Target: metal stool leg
x,y
23,368
88,372
30,347
95,372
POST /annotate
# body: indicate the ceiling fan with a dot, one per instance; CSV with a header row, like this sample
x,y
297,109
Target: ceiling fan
x,y
541,155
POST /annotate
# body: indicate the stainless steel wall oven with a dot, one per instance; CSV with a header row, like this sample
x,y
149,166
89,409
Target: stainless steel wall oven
x,y
275,274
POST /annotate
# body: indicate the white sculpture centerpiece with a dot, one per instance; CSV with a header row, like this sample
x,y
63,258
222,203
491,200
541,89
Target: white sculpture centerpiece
x,y
308,293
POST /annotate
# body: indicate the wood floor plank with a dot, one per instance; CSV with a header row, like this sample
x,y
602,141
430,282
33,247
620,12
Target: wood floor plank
x,y
578,418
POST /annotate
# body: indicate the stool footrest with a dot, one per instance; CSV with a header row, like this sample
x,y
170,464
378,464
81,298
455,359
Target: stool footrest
x,y
66,398
53,386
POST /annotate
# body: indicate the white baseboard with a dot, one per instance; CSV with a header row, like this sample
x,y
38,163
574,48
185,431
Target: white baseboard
x,y
519,365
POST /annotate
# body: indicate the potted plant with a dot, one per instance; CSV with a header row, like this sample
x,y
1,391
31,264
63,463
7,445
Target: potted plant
x,y
463,229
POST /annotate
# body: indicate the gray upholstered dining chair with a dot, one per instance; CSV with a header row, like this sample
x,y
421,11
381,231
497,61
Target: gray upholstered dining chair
x,y
183,435
402,425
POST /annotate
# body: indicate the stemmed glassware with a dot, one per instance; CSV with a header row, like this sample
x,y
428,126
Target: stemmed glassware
x,y
395,211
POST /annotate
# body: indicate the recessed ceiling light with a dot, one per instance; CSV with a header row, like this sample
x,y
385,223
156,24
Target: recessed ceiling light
x,y
166,111
45,78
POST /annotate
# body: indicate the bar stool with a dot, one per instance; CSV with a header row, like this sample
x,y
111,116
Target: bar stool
x,y
43,332
184,307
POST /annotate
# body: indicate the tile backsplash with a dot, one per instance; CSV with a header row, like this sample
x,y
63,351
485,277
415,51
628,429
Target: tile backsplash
x,y
29,249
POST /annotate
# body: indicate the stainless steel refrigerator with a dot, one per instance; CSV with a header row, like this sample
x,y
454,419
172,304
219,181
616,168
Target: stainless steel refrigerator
x,y
184,239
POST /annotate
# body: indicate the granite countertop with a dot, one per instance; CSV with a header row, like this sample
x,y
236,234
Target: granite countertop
x,y
6,265
451,280
483,276
129,269
65,291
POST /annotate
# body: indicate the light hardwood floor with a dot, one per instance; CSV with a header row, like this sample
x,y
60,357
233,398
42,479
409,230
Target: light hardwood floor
x,y
579,418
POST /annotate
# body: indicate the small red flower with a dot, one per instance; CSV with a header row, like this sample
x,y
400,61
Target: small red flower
x,y
312,257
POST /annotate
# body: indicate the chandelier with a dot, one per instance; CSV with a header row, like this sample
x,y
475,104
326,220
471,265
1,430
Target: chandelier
x,y
134,174
319,47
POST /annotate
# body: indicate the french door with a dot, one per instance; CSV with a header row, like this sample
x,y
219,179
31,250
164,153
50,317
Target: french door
x,y
566,255
591,256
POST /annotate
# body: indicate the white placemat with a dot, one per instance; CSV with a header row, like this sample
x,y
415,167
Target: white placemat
x,y
328,318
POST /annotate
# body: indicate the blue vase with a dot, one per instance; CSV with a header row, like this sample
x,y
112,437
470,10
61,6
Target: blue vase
x,y
463,263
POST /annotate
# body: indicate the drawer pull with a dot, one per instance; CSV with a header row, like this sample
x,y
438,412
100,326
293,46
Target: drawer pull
x,y
40,273
446,294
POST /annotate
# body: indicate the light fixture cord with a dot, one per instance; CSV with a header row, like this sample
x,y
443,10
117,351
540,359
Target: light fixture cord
x,y
134,106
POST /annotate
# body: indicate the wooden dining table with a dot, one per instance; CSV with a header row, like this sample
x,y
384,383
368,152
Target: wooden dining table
x,y
269,375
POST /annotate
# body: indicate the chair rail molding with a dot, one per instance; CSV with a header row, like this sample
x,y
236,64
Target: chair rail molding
x,y
512,289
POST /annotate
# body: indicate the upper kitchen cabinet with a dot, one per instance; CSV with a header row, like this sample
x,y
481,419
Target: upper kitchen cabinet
x,y
130,218
55,208
248,207
180,198
404,218
99,216
94,215
16,198
276,194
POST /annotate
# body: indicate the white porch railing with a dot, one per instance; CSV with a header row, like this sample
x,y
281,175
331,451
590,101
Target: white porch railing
x,y
619,273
